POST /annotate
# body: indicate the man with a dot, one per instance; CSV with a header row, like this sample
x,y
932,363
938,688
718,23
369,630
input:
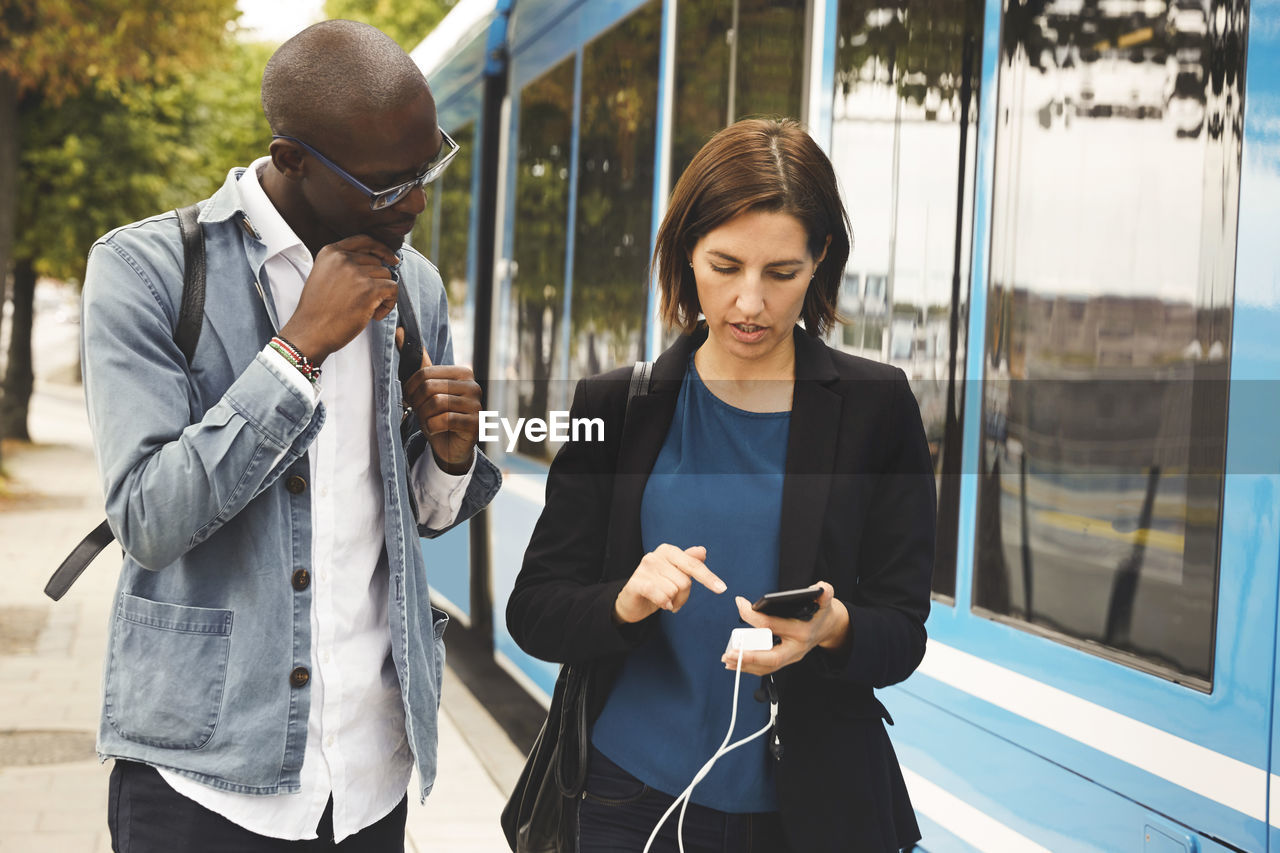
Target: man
x,y
274,665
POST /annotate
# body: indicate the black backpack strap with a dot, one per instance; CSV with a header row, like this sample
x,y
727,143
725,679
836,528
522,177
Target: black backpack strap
x,y
187,335
639,382
411,350
191,314
78,560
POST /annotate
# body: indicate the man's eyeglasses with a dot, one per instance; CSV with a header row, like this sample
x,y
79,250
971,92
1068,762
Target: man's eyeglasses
x,y
378,199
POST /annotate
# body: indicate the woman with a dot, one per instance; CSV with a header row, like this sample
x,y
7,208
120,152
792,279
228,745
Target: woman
x,y
759,460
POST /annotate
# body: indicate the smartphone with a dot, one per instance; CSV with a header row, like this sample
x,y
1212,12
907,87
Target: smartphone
x,y
791,603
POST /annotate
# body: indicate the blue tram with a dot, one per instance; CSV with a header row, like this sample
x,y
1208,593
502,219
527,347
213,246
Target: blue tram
x,y
1067,232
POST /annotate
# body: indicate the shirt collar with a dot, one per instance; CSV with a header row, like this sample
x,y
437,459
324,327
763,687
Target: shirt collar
x,y
262,214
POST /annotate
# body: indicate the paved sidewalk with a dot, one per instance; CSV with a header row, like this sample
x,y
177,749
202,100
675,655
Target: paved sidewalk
x,y
52,788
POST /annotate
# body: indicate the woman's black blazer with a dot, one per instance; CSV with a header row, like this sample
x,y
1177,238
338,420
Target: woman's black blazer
x,y
858,510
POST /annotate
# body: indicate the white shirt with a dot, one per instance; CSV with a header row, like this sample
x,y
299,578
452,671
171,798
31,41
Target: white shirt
x,y
356,747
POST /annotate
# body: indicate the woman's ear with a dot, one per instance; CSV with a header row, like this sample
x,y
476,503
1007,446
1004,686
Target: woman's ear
x,y
827,245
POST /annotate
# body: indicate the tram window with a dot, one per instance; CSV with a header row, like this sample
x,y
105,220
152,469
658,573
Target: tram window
x,y
724,74
615,194
1108,329
702,78
903,146
540,245
454,218
423,235
770,54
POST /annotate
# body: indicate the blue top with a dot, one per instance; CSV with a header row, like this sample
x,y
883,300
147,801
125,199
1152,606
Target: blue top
x,y
717,483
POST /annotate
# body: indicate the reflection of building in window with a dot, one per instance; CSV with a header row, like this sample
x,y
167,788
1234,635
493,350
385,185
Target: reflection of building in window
x,y
904,115
1112,269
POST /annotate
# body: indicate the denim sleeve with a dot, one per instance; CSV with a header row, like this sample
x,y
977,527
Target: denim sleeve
x,y
172,478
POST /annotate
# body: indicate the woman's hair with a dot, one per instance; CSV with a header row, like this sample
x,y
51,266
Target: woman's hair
x,y
770,165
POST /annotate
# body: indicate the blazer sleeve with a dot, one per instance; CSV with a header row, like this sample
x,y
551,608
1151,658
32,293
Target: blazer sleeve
x,y
560,609
889,605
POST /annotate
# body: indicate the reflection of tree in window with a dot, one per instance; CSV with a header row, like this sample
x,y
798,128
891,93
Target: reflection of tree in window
x,y
615,193
451,253
1109,327
770,47
723,75
904,113
541,208
423,235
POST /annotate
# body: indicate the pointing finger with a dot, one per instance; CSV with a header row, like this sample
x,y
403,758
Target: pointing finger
x,y
696,569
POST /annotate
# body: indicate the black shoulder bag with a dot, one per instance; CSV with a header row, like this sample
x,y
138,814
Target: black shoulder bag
x,y
540,815
187,334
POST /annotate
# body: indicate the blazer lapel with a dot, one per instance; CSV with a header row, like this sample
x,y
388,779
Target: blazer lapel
x,y
811,447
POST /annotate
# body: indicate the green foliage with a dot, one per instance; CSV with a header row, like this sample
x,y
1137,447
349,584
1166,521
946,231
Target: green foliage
x,y
103,158
57,48
406,22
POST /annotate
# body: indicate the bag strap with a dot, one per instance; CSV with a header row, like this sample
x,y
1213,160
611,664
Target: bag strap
x,y
186,335
191,314
78,560
411,350
640,374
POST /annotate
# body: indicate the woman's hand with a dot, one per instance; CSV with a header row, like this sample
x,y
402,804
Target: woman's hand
x,y
828,629
663,580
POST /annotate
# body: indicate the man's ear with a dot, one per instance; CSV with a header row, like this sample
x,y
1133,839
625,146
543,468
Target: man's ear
x,y
287,159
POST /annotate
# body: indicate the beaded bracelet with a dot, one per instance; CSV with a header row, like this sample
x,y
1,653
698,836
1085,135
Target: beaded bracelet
x,y
296,358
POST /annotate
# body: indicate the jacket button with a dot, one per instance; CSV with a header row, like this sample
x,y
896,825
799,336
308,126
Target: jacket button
x,y
301,579
299,677
296,485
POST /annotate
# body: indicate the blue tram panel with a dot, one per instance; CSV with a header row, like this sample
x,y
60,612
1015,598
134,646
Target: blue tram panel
x,y
1078,272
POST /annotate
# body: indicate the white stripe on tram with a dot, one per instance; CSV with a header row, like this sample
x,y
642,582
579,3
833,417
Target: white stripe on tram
x,y
964,821
1218,777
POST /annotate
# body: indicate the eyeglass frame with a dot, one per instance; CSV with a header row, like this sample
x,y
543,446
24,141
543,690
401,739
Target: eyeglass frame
x,y
394,194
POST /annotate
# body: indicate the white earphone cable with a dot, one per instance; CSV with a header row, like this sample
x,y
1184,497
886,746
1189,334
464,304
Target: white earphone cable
x,y
725,748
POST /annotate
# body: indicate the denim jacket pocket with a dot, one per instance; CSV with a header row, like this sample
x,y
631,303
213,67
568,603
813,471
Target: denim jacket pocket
x,y
166,672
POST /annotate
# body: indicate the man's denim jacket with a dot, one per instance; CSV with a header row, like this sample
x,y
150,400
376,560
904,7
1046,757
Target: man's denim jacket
x,y
205,473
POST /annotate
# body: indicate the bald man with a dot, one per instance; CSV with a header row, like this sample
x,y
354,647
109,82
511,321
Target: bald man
x,y
274,664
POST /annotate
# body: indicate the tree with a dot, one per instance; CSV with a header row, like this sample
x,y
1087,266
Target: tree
x,y
407,23
54,50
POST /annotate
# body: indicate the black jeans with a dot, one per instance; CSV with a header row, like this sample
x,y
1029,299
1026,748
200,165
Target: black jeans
x,y
618,812
146,815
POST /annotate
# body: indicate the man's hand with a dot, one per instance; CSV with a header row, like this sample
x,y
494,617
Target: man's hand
x,y
349,287
829,629
663,580
446,400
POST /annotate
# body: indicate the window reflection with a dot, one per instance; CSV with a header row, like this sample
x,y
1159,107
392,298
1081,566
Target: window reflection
x,y
541,209
454,218
902,145
702,78
734,58
770,58
1108,327
423,237
615,194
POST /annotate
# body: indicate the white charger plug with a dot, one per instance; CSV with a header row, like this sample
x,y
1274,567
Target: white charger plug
x,y
750,640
